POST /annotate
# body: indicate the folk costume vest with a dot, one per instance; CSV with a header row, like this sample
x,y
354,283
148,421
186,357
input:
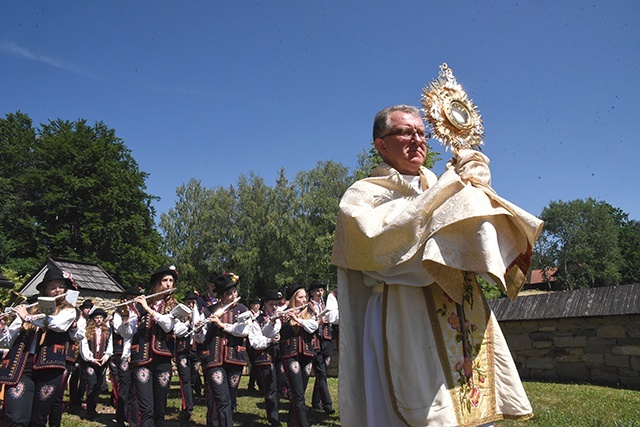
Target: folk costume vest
x,y
72,348
50,354
104,339
220,347
268,355
325,331
149,339
295,340
118,340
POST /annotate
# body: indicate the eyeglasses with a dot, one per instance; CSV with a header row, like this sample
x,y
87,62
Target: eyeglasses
x,y
408,133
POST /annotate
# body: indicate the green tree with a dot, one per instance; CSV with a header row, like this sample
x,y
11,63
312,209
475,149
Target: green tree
x,y
197,233
79,194
318,193
581,238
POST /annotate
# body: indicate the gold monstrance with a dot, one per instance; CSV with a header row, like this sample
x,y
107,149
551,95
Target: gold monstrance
x,y
454,119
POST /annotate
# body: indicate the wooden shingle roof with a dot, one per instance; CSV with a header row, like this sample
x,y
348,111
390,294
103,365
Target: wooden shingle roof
x,y
87,275
606,301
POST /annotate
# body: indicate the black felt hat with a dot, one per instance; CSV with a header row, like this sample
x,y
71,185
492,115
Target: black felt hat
x,y
273,295
223,282
212,277
56,274
293,288
98,312
317,284
134,290
254,300
190,295
163,271
86,304
6,283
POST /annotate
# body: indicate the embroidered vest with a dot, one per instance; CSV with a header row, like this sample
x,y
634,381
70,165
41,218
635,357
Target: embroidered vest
x,y
325,331
52,353
118,340
104,340
13,363
294,343
268,355
220,347
148,340
72,349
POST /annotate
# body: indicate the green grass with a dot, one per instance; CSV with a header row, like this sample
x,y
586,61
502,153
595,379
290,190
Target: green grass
x,y
251,410
571,405
554,405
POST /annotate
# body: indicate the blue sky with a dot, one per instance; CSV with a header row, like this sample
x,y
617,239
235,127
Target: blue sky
x,y
214,89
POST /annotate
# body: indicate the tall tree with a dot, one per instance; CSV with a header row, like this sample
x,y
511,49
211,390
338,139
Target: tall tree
x,y
197,233
79,195
581,239
319,192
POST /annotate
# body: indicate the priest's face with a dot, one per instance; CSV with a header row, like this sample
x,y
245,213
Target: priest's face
x,y
403,144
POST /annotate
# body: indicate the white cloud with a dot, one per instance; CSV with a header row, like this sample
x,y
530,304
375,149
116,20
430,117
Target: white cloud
x,y
24,53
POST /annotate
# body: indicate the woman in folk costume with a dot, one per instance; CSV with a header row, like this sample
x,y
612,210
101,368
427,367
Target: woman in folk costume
x,y
298,345
187,359
75,334
321,398
264,336
151,346
33,369
126,403
96,348
224,355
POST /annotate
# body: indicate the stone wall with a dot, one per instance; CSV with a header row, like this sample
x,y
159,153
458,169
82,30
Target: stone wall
x,y
601,350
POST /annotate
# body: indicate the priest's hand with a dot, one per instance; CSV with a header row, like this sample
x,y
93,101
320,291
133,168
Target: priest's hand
x,y
473,166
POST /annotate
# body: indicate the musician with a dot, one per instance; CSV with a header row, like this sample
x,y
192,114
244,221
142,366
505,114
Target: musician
x,y
298,344
321,399
95,349
188,362
77,386
208,300
254,308
75,334
224,353
33,369
126,402
151,345
264,336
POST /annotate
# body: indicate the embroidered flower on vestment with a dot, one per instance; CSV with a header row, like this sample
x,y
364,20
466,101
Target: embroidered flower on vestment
x,y
454,321
474,396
